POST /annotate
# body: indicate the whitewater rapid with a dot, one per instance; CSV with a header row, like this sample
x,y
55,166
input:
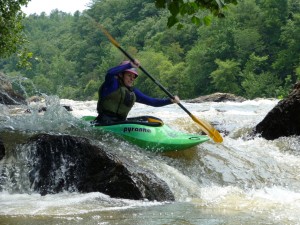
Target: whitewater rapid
x,y
241,181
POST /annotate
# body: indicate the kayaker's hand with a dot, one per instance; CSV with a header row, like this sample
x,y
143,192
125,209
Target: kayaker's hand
x,y
176,99
135,64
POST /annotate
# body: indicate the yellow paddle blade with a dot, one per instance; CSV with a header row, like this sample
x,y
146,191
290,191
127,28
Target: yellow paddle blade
x,y
209,130
111,39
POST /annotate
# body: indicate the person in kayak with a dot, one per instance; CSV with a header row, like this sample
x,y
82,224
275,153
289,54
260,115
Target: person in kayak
x,y
117,94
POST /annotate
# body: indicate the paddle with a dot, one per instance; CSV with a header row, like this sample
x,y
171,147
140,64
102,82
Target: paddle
x,y
206,127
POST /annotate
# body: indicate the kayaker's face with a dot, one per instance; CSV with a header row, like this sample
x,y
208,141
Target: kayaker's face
x,y
128,79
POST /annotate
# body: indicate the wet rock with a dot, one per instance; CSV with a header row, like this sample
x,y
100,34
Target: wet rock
x,y
68,108
7,95
283,119
217,97
2,149
68,163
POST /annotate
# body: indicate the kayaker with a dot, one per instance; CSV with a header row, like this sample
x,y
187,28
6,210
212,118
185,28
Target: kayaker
x,y
117,94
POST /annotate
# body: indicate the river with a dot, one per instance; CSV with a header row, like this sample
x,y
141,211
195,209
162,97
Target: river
x,y
241,181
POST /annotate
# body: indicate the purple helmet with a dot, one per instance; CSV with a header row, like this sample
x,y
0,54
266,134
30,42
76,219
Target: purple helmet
x,y
131,70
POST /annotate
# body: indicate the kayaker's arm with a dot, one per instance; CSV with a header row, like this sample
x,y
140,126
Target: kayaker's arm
x,y
147,100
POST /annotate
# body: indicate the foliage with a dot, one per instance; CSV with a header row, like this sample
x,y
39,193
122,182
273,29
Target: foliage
x,y
226,76
156,64
253,51
289,53
257,82
11,26
191,8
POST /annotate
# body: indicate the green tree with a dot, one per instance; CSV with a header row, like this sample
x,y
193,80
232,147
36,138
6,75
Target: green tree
x,y
246,41
226,78
156,63
191,8
43,84
288,57
275,15
257,82
200,63
91,90
70,55
68,92
214,42
177,81
11,26
298,72
261,85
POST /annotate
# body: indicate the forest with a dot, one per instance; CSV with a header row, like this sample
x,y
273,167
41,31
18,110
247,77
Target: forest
x,y
254,51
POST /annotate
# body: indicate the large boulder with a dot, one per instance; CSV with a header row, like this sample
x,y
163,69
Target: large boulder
x,y
68,163
283,119
7,95
217,97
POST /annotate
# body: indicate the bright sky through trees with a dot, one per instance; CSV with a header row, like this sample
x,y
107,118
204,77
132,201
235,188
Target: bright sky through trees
x,y
68,6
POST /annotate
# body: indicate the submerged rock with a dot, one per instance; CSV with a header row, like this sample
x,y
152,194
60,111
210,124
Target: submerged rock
x,y
283,119
217,97
68,163
7,95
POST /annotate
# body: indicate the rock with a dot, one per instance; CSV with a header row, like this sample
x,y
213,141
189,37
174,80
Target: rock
x,y
2,149
67,163
68,108
7,95
283,119
217,97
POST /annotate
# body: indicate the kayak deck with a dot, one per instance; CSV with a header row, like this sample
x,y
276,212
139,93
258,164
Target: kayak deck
x,y
152,136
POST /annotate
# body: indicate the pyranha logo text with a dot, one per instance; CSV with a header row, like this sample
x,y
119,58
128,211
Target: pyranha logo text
x,y
136,129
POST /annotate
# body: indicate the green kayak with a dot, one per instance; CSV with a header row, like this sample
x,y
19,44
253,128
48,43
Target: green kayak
x,y
150,133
